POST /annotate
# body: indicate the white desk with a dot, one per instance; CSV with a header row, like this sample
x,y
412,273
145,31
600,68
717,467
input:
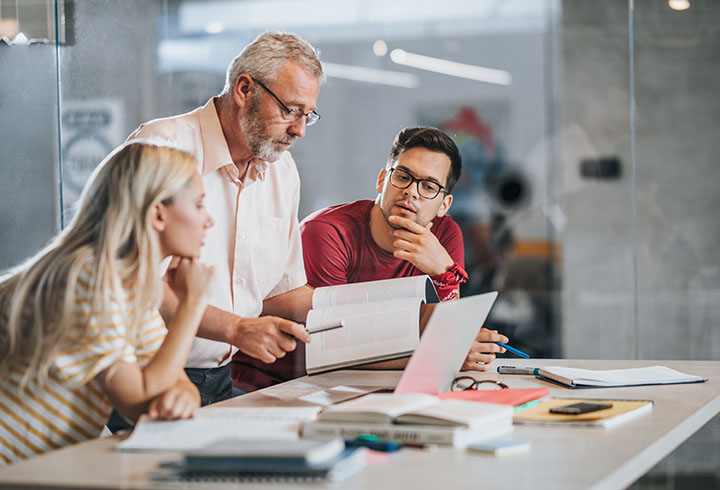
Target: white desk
x,y
560,458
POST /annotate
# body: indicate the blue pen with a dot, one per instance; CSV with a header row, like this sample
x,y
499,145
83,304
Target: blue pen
x,y
513,350
372,442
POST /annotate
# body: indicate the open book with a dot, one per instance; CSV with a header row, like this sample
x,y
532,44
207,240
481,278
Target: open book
x,y
593,378
416,418
416,408
381,322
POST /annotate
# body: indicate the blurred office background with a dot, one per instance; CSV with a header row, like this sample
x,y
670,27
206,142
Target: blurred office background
x,y
588,130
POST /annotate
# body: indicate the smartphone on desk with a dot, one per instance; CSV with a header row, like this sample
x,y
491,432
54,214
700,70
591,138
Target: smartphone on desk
x,y
578,408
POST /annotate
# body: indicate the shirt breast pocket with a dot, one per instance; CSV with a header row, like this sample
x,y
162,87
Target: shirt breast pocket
x,y
272,248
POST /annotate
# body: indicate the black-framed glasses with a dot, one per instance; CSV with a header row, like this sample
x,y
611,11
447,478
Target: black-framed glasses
x,y
463,383
292,114
402,179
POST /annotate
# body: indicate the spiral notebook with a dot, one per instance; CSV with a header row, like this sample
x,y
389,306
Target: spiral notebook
x,y
241,470
610,378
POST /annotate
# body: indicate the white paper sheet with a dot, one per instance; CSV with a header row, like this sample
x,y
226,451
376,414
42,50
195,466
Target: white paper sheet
x,y
216,423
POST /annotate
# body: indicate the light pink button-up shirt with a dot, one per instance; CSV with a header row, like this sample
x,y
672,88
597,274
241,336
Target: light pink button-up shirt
x,y
255,243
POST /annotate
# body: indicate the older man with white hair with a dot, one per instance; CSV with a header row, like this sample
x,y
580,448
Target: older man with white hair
x,y
240,139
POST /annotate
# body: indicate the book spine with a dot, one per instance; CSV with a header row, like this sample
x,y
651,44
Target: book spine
x,y
413,436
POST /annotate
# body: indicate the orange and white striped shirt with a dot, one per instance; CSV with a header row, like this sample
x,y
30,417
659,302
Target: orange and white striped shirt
x,y
70,407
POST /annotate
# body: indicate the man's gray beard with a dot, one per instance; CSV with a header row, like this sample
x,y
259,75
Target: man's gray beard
x,y
259,144
264,150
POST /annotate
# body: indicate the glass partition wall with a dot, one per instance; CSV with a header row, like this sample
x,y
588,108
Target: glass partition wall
x,y
587,131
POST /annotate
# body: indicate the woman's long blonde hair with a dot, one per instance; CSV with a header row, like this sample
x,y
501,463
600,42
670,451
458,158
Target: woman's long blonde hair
x,y
112,234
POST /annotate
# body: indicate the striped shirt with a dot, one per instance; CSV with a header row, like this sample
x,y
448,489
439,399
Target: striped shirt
x,y
71,407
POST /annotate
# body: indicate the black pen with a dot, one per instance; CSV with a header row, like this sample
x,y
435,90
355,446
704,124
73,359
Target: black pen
x,y
324,327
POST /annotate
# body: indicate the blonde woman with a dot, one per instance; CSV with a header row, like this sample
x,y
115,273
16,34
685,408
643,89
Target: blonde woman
x,y
80,330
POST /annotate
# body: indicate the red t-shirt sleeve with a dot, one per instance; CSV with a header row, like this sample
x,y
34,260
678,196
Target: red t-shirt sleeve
x,y
326,257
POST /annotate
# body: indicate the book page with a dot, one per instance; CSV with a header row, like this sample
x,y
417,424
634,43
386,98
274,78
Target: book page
x,y
372,332
372,291
386,404
461,413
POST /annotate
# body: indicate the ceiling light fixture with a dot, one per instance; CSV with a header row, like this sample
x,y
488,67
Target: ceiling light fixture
x,y
380,48
214,27
679,4
371,75
452,68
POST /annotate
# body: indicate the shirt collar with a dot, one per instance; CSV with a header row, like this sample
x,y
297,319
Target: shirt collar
x,y
215,148
216,153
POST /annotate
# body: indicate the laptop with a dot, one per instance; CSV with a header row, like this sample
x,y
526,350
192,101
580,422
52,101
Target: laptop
x,y
445,344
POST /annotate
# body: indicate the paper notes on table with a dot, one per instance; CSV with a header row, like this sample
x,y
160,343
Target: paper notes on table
x,y
216,423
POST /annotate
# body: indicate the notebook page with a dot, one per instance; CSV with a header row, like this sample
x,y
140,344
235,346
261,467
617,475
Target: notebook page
x,y
619,377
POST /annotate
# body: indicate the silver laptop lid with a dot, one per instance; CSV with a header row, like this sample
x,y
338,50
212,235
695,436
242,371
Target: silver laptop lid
x,y
445,344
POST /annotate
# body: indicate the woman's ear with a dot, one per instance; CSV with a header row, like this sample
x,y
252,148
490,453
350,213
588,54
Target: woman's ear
x,y
158,217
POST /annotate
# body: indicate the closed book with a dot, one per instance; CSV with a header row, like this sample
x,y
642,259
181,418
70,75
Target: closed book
x,y
620,412
238,452
411,434
608,378
417,409
512,396
243,470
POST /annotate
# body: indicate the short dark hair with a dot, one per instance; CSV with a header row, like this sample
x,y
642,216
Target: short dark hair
x,y
434,140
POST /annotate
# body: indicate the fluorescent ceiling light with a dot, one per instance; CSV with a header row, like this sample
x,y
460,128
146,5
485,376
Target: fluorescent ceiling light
x,y
447,67
371,75
679,4
214,27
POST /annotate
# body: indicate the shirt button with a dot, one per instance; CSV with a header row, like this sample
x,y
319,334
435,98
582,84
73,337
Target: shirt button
x,y
240,280
243,236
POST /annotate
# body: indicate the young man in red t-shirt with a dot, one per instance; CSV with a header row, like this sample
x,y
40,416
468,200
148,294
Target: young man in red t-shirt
x,y
405,232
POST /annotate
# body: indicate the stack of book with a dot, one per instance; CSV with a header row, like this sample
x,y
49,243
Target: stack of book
x,y
413,418
306,460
